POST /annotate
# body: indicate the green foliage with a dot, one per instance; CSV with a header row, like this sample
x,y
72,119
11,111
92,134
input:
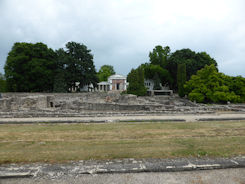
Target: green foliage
x,y
76,64
181,79
163,66
150,72
36,68
236,84
159,56
167,61
194,62
59,82
210,86
2,83
156,80
195,96
60,85
156,69
30,68
105,72
136,82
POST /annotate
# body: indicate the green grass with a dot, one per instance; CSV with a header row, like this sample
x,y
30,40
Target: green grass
x,y
64,142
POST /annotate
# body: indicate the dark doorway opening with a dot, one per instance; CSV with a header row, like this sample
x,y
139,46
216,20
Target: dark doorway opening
x,y
118,86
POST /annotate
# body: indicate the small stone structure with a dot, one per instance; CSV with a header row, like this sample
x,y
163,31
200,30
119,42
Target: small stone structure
x,y
149,84
103,86
16,102
160,92
114,83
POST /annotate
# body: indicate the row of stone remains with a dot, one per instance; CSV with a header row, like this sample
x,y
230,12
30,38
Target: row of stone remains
x,y
85,101
85,104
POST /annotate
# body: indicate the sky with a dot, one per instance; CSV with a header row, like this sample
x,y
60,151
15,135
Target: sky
x,y
121,33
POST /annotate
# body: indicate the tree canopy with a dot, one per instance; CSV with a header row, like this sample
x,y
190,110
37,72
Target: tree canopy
x,y
193,61
105,72
156,72
159,56
210,86
29,68
156,68
75,64
2,83
136,82
163,66
37,68
181,79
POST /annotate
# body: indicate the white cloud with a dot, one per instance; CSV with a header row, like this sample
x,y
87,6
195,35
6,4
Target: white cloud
x,y
122,32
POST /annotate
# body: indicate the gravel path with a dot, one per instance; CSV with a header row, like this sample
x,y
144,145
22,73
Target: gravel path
x,y
177,117
75,169
224,176
219,170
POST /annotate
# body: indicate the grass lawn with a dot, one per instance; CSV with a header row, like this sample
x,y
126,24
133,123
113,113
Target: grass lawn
x,y
64,142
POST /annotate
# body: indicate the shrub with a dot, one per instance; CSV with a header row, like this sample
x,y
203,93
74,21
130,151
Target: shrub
x,y
136,82
211,86
198,97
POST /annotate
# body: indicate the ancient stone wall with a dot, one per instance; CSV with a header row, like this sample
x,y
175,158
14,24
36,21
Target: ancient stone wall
x,y
96,103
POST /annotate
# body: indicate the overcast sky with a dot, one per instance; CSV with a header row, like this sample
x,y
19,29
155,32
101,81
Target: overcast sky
x,y
123,32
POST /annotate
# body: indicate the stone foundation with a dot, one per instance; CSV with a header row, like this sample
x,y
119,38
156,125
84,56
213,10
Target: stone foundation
x,y
98,104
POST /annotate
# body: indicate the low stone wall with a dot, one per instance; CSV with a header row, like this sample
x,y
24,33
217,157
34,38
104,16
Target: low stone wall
x,y
96,104
113,107
26,102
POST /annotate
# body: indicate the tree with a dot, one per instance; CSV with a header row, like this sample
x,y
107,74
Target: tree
x,y
156,72
76,62
181,79
156,69
105,72
156,80
2,83
30,68
237,85
194,62
160,55
136,82
209,86
60,84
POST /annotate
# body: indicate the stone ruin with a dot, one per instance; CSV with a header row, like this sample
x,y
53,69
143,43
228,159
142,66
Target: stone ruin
x,y
100,104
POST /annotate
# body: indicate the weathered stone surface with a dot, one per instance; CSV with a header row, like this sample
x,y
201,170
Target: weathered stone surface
x,y
96,103
130,165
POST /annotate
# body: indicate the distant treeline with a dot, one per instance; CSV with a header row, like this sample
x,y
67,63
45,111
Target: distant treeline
x,y
36,68
204,83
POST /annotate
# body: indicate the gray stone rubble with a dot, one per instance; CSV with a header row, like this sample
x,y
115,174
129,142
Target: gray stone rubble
x,y
14,105
54,171
107,107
